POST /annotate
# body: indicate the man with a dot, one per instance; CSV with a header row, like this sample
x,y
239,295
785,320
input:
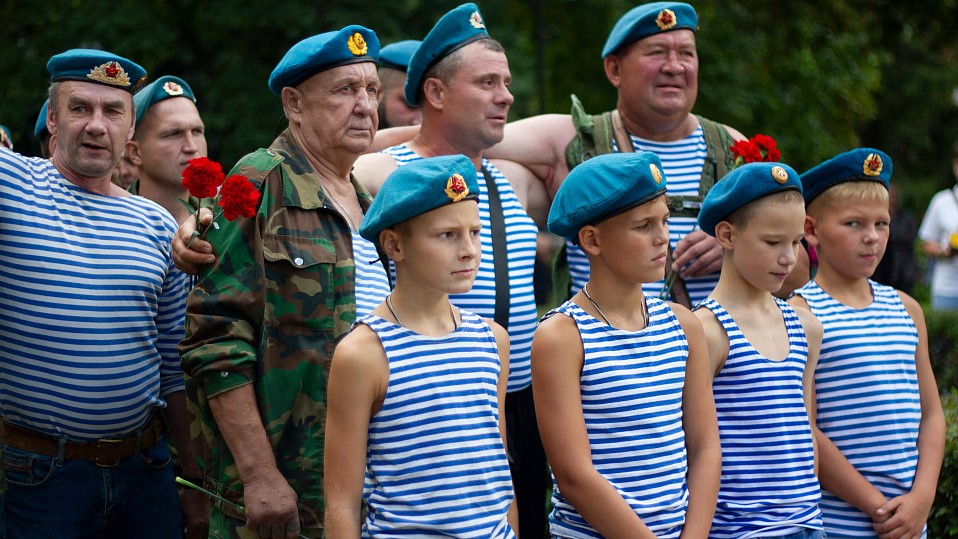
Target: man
x,y
393,63
460,77
41,133
169,132
651,58
92,313
262,323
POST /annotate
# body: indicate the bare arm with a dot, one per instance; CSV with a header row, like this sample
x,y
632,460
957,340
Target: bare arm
x,y
393,136
715,338
557,359
502,343
530,191
701,430
538,143
270,501
909,512
372,169
813,336
357,384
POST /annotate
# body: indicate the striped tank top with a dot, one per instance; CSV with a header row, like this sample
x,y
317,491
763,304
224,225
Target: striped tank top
x,y
521,257
631,388
372,283
866,386
435,464
682,162
92,306
768,487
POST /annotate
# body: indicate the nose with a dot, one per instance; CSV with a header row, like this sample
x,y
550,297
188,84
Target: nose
x,y
662,234
470,247
96,124
672,63
366,103
190,145
790,256
505,97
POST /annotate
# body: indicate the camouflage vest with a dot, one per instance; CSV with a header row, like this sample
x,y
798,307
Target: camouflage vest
x,y
595,135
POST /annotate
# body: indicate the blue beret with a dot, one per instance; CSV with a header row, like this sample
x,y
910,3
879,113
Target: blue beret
x,y
648,19
744,184
41,127
604,187
101,67
455,29
860,164
6,139
418,187
397,55
351,45
162,88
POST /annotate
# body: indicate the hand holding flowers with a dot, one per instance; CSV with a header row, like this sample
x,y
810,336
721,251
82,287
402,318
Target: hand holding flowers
x,y
232,197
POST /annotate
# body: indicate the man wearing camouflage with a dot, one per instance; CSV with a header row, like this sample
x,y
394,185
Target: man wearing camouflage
x,y
262,322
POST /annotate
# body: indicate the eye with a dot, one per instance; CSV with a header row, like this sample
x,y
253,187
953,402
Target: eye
x,y
474,232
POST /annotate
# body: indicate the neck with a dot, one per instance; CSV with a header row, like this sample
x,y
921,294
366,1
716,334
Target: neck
x,y
664,129
623,304
333,165
434,140
426,311
734,291
851,291
168,198
100,186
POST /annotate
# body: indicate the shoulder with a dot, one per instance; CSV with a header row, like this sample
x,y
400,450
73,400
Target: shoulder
x,y
912,307
556,329
810,323
499,332
690,322
360,348
372,169
257,165
711,326
734,133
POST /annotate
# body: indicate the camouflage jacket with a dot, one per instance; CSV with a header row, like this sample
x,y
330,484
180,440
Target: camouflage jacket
x,y
269,313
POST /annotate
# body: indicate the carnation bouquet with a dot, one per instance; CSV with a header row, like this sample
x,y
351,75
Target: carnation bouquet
x,y
233,196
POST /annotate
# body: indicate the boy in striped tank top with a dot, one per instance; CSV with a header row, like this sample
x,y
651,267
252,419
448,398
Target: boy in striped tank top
x,y
880,423
620,379
413,431
762,353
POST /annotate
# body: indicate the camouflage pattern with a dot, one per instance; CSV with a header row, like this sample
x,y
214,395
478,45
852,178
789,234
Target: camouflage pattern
x,y
269,313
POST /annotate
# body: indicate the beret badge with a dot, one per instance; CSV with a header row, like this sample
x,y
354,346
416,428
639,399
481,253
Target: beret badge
x,y
456,188
357,44
779,175
172,88
872,165
476,20
666,19
110,73
656,173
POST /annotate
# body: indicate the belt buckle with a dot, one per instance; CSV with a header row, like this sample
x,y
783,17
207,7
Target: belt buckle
x,y
108,452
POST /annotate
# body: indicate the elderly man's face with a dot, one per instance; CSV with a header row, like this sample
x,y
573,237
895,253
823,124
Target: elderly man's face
x,y
658,75
338,109
91,124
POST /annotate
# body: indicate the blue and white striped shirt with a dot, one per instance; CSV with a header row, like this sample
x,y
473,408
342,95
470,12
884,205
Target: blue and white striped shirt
x,y
768,487
682,162
436,465
631,388
92,305
372,283
521,233
866,386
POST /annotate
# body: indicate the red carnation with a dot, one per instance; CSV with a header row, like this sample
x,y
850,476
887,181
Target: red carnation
x,y
767,146
745,151
202,177
238,198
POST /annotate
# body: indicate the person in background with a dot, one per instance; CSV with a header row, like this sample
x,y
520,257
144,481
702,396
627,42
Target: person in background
x,y
939,236
394,111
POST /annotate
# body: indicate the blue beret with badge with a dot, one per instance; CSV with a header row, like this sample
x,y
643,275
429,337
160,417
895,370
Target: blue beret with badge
x,y
603,187
744,184
456,29
860,164
397,55
41,126
418,187
101,67
649,19
162,88
351,45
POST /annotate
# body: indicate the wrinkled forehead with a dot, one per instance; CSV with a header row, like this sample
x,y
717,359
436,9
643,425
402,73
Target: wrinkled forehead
x,y
676,38
93,93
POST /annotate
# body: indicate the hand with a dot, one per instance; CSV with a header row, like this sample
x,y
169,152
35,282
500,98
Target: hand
x,y
903,517
196,513
700,251
200,252
271,507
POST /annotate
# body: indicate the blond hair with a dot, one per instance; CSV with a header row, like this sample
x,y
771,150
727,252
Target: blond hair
x,y
846,193
741,217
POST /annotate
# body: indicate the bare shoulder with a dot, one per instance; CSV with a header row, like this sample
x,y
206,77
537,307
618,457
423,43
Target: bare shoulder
x,y
501,334
736,135
912,307
371,170
557,331
360,349
810,323
798,301
687,319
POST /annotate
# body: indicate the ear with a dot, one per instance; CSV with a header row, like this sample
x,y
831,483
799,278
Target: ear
x,y
613,64
134,152
589,240
810,235
725,234
391,244
51,121
434,91
292,103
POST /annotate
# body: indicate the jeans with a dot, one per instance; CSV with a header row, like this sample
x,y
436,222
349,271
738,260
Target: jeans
x,y
527,462
51,497
804,534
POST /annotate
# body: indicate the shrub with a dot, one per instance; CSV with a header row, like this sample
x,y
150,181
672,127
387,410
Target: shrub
x,y
943,521
943,347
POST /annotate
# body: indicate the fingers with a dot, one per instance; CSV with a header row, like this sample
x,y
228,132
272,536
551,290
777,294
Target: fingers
x,y
697,254
189,253
289,530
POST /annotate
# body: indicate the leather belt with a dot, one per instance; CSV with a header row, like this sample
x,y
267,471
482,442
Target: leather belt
x,y
105,452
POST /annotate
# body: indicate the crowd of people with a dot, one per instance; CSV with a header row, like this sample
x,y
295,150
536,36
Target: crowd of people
x,y
363,357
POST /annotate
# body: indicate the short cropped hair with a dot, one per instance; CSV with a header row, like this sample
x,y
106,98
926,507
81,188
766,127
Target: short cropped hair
x,y
447,68
741,217
845,193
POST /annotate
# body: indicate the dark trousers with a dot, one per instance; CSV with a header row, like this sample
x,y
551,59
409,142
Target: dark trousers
x,y
527,462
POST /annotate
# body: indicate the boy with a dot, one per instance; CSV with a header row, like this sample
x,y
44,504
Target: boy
x,y
762,353
413,430
881,425
619,378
